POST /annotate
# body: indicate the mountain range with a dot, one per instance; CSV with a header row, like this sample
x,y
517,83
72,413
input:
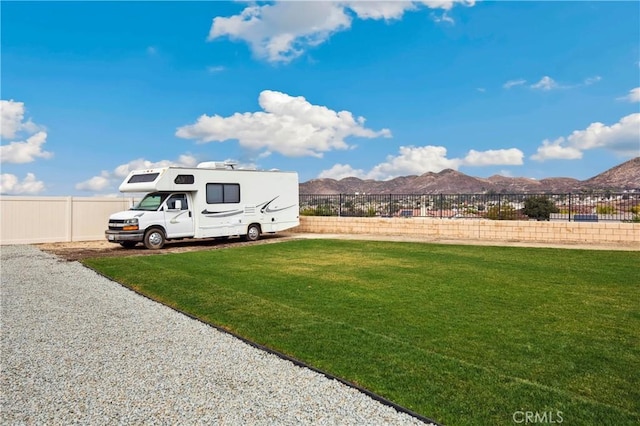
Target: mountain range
x,y
623,177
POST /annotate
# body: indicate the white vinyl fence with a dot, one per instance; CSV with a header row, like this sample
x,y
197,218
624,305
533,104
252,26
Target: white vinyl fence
x,y
26,220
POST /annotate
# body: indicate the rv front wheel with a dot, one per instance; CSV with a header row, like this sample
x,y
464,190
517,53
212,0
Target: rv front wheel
x,y
154,239
253,232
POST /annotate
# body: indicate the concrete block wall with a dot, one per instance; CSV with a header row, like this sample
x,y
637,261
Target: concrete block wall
x,y
25,220
477,229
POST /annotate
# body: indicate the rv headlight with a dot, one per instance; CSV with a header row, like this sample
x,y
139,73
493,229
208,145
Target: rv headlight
x,y
130,225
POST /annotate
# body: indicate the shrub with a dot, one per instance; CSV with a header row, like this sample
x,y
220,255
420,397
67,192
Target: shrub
x,y
503,212
539,207
634,219
605,210
318,211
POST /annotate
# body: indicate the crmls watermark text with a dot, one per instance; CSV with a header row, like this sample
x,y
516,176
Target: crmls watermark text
x,y
532,417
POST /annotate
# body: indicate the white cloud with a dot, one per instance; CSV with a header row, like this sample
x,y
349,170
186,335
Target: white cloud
x,y
95,184
446,4
386,10
413,160
289,125
592,80
213,69
555,150
282,31
10,184
110,180
546,83
12,120
13,125
623,138
341,171
12,114
512,83
123,170
507,157
633,96
25,151
444,17
279,32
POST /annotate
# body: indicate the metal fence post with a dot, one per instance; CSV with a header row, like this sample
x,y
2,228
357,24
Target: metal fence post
x,y
340,205
569,215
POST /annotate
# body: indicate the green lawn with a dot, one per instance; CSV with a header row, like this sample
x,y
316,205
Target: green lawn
x,y
460,334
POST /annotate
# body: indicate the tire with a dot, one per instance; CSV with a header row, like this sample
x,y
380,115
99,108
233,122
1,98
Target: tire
x,y
253,232
154,239
128,244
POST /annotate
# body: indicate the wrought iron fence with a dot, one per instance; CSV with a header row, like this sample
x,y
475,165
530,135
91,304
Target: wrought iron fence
x,y
623,207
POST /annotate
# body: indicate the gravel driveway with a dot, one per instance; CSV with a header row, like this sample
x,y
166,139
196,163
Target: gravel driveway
x,y
78,348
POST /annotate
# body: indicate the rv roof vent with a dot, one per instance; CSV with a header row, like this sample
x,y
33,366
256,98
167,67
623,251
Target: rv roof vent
x,y
217,165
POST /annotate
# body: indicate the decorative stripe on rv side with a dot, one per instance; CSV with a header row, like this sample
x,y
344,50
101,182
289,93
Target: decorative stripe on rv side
x,y
225,213
266,209
175,218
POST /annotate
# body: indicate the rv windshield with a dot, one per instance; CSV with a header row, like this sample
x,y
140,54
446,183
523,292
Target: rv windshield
x,y
151,202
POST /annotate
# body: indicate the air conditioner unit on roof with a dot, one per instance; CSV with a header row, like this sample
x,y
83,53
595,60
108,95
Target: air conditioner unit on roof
x,y
217,165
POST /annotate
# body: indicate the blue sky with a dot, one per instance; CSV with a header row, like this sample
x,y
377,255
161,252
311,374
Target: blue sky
x,y
92,90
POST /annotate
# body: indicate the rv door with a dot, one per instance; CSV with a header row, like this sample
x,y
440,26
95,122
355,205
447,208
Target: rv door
x,y
178,216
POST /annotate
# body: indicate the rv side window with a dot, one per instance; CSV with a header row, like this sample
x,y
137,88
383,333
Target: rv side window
x,y
184,179
223,193
147,177
231,193
171,202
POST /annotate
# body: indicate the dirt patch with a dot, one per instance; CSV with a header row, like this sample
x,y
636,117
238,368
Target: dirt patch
x,y
85,249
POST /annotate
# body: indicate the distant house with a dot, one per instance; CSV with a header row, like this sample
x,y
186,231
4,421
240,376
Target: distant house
x,y
428,213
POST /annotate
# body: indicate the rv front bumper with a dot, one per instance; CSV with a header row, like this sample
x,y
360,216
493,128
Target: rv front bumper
x,y
119,236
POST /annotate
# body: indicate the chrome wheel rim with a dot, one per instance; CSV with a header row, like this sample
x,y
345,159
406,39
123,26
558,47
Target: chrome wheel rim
x,y
253,232
155,238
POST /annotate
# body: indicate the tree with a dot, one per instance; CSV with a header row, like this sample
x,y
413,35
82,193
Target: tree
x,y
539,207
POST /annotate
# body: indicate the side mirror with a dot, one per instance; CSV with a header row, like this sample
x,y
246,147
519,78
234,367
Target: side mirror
x,y
178,205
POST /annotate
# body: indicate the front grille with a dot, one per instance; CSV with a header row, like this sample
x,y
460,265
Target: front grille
x,y
116,224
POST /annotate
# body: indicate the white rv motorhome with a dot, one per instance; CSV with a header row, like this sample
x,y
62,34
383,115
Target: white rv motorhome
x,y
211,200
